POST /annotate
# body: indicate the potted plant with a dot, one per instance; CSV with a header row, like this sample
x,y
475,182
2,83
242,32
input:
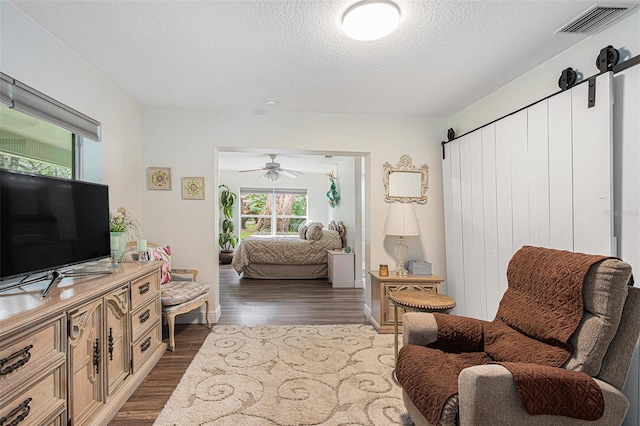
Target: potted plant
x,y
122,224
227,240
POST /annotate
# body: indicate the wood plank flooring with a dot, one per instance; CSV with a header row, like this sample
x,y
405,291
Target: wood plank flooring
x,y
246,302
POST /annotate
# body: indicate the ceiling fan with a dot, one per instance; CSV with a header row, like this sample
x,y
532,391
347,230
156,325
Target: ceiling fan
x,y
273,170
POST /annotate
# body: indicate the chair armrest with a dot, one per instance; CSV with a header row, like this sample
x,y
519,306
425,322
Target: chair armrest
x,y
451,333
184,275
488,395
419,328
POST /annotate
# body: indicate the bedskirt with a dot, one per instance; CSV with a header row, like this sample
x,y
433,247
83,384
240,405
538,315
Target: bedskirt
x,y
263,271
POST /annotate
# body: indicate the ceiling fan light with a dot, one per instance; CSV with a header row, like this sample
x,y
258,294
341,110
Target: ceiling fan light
x,y
272,175
371,19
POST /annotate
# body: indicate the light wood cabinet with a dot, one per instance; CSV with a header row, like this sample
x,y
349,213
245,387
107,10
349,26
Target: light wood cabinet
x,y
75,357
340,269
382,312
117,356
85,355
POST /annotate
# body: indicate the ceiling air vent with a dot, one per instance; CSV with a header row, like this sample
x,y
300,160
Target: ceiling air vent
x,y
597,18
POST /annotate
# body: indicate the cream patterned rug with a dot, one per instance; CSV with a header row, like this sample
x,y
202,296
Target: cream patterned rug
x,y
289,375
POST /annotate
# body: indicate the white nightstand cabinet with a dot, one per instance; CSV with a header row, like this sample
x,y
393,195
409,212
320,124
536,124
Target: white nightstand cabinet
x,y
341,269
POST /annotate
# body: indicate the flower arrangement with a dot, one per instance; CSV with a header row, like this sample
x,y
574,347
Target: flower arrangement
x,y
123,221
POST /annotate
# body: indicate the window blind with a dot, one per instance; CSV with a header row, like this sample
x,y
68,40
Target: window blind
x,y
27,100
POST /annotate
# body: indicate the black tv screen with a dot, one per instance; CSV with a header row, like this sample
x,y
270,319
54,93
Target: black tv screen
x,y
47,223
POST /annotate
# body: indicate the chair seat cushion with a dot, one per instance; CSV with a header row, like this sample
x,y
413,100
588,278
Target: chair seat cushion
x,y
178,292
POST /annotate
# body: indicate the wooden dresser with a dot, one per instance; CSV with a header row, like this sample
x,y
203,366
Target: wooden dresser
x,y
75,356
382,317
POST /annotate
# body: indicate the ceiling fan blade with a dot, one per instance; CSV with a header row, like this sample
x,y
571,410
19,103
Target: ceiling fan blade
x,y
252,170
294,172
289,173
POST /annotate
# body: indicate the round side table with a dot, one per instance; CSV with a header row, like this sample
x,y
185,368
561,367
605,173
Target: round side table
x,y
417,300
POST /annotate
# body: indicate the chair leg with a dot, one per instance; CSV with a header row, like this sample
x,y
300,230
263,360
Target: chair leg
x,y
206,312
171,320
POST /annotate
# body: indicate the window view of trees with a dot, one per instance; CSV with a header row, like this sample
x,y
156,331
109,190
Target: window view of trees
x,y
36,167
271,214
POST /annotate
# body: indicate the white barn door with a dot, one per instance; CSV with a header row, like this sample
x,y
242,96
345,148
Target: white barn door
x,y
542,176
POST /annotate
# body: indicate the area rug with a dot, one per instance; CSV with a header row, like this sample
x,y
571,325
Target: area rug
x,y
289,375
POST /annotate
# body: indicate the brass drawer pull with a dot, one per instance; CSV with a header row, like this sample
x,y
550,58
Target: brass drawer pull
x,y
146,345
144,316
24,353
23,409
144,288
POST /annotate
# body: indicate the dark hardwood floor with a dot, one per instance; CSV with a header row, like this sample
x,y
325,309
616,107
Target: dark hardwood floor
x,y
246,302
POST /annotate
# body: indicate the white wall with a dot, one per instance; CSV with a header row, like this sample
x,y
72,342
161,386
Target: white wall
x,y
541,82
314,183
30,54
192,226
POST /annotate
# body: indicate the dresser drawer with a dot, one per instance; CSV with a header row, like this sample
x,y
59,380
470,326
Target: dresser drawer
x,y
145,317
42,402
143,348
144,289
26,353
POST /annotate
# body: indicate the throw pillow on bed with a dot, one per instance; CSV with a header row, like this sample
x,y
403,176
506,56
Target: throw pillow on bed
x,y
302,231
314,232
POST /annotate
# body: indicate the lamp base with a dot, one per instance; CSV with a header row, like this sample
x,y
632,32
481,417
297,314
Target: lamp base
x,y
401,272
401,251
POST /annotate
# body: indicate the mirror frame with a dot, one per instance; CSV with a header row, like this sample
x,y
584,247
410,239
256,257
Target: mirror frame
x,y
406,165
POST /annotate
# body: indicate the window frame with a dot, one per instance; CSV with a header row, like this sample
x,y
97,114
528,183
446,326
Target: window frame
x,y
274,216
84,130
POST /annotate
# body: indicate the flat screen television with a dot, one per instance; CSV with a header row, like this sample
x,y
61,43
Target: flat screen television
x,y
48,223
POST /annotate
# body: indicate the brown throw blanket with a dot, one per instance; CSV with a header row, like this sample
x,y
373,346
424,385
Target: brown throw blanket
x,y
538,313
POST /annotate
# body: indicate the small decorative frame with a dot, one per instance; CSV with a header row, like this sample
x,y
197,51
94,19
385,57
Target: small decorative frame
x,y
159,178
193,188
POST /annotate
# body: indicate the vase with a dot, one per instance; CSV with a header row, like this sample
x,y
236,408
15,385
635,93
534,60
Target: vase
x,y
120,246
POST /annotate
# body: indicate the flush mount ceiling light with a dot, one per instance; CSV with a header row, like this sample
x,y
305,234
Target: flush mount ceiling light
x,y
371,19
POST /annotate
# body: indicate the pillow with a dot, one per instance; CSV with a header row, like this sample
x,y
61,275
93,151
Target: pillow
x,y
314,232
302,231
164,254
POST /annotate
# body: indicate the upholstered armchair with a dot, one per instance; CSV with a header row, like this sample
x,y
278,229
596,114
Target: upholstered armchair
x,y
599,350
180,290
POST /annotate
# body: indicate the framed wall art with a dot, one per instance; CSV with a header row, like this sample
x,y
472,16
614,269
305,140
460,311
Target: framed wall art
x,y
193,188
159,178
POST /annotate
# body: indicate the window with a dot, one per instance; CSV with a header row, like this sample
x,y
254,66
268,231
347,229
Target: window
x,y
28,144
40,135
272,211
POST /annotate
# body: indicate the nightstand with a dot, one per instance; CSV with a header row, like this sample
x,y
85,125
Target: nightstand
x,y
340,265
382,313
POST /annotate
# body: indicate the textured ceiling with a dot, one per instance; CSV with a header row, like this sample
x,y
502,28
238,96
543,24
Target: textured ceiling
x,y
444,56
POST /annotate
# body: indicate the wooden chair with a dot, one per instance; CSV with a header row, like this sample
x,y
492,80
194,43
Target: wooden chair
x,y
181,294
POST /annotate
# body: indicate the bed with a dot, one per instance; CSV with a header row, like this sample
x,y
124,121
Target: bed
x,y
287,257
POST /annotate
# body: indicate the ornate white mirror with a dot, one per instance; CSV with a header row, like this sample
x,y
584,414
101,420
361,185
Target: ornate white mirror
x,y
405,182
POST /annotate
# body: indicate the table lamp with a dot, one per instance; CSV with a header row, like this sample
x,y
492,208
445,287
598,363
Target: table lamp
x,y
401,222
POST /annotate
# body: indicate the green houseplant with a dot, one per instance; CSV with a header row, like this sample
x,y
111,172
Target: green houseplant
x,y
227,240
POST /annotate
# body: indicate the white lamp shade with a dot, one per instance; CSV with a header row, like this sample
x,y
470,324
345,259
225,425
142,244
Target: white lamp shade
x,y
401,220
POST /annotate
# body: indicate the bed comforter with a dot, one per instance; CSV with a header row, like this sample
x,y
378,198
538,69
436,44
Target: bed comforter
x,y
281,250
